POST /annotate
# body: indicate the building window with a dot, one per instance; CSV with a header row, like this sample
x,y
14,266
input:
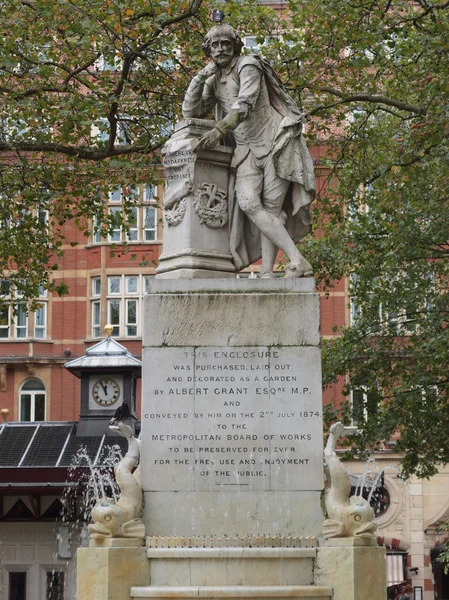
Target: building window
x,y
55,585
364,404
20,320
96,318
115,195
116,234
32,401
123,301
141,218
251,44
17,586
150,224
40,322
133,222
16,321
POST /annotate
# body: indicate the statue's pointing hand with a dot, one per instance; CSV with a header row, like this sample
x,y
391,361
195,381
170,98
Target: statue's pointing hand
x,y
209,140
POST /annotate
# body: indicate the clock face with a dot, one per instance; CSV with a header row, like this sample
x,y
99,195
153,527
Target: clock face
x,y
106,391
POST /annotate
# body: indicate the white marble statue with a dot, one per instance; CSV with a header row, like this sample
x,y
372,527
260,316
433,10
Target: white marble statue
x,y
347,517
121,519
274,180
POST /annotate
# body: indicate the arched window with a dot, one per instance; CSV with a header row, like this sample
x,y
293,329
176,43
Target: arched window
x,y
32,401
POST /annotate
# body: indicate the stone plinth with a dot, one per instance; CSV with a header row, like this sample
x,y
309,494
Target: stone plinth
x,y
196,207
355,568
232,408
107,571
231,566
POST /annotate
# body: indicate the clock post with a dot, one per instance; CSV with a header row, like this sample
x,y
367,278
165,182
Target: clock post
x,y
108,373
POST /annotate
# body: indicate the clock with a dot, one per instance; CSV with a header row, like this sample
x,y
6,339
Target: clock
x,y
105,391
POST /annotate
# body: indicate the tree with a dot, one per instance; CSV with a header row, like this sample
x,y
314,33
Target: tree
x,y
89,90
378,76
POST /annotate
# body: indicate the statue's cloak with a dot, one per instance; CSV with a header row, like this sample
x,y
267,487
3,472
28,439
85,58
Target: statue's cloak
x,y
292,162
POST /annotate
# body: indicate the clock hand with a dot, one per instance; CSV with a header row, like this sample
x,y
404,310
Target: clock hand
x,y
105,388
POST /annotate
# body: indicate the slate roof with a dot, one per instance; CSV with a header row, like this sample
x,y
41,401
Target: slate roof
x,y
107,354
47,445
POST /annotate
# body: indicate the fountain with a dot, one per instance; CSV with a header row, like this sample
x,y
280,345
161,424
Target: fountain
x,y
232,463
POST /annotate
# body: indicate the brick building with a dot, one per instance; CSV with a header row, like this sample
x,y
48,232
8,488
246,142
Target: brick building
x,y
35,387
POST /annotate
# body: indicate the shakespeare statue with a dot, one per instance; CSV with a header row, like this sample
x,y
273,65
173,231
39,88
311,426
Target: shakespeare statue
x,y
272,177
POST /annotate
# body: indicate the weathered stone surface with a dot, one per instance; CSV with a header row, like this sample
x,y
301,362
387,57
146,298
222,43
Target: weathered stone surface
x,y
355,572
243,417
196,207
260,318
108,573
273,170
209,513
232,409
278,285
232,572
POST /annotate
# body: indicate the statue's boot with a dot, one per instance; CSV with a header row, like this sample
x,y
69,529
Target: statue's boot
x,y
300,269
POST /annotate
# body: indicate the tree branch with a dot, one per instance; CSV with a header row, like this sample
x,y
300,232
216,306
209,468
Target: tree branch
x,y
364,97
83,153
408,163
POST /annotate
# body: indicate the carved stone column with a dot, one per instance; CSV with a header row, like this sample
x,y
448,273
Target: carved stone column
x,y
196,207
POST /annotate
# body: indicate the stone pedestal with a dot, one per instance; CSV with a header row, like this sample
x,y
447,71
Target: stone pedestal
x,y
232,408
232,573
355,568
107,569
196,207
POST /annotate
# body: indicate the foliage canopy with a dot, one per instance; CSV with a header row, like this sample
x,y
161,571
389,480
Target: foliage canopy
x,y
90,88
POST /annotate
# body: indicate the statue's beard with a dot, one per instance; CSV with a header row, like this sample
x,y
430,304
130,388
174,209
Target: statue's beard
x,y
223,60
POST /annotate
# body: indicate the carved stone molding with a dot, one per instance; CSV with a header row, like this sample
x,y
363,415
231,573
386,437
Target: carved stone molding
x,y
210,203
248,541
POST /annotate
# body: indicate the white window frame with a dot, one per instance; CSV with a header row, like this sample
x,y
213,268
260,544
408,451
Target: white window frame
x,y
118,303
6,311
364,391
130,324
145,201
149,230
96,323
33,394
112,195
150,194
116,236
116,332
18,329
132,235
40,330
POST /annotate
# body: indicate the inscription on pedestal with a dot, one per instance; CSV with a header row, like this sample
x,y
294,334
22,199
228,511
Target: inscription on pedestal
x,y
242,419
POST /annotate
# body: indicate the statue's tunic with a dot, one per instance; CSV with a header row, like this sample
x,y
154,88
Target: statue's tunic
x,y
272,127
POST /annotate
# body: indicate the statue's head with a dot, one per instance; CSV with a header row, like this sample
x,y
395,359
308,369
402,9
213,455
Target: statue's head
x,y
222,43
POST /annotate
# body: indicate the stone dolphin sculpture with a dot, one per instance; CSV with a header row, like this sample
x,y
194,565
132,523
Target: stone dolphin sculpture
x,y
347,517
122,518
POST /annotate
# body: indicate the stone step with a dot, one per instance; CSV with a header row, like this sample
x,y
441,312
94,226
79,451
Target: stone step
x,y
277,592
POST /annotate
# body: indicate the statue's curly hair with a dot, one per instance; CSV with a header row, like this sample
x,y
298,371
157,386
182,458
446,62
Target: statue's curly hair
x,y
225,29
